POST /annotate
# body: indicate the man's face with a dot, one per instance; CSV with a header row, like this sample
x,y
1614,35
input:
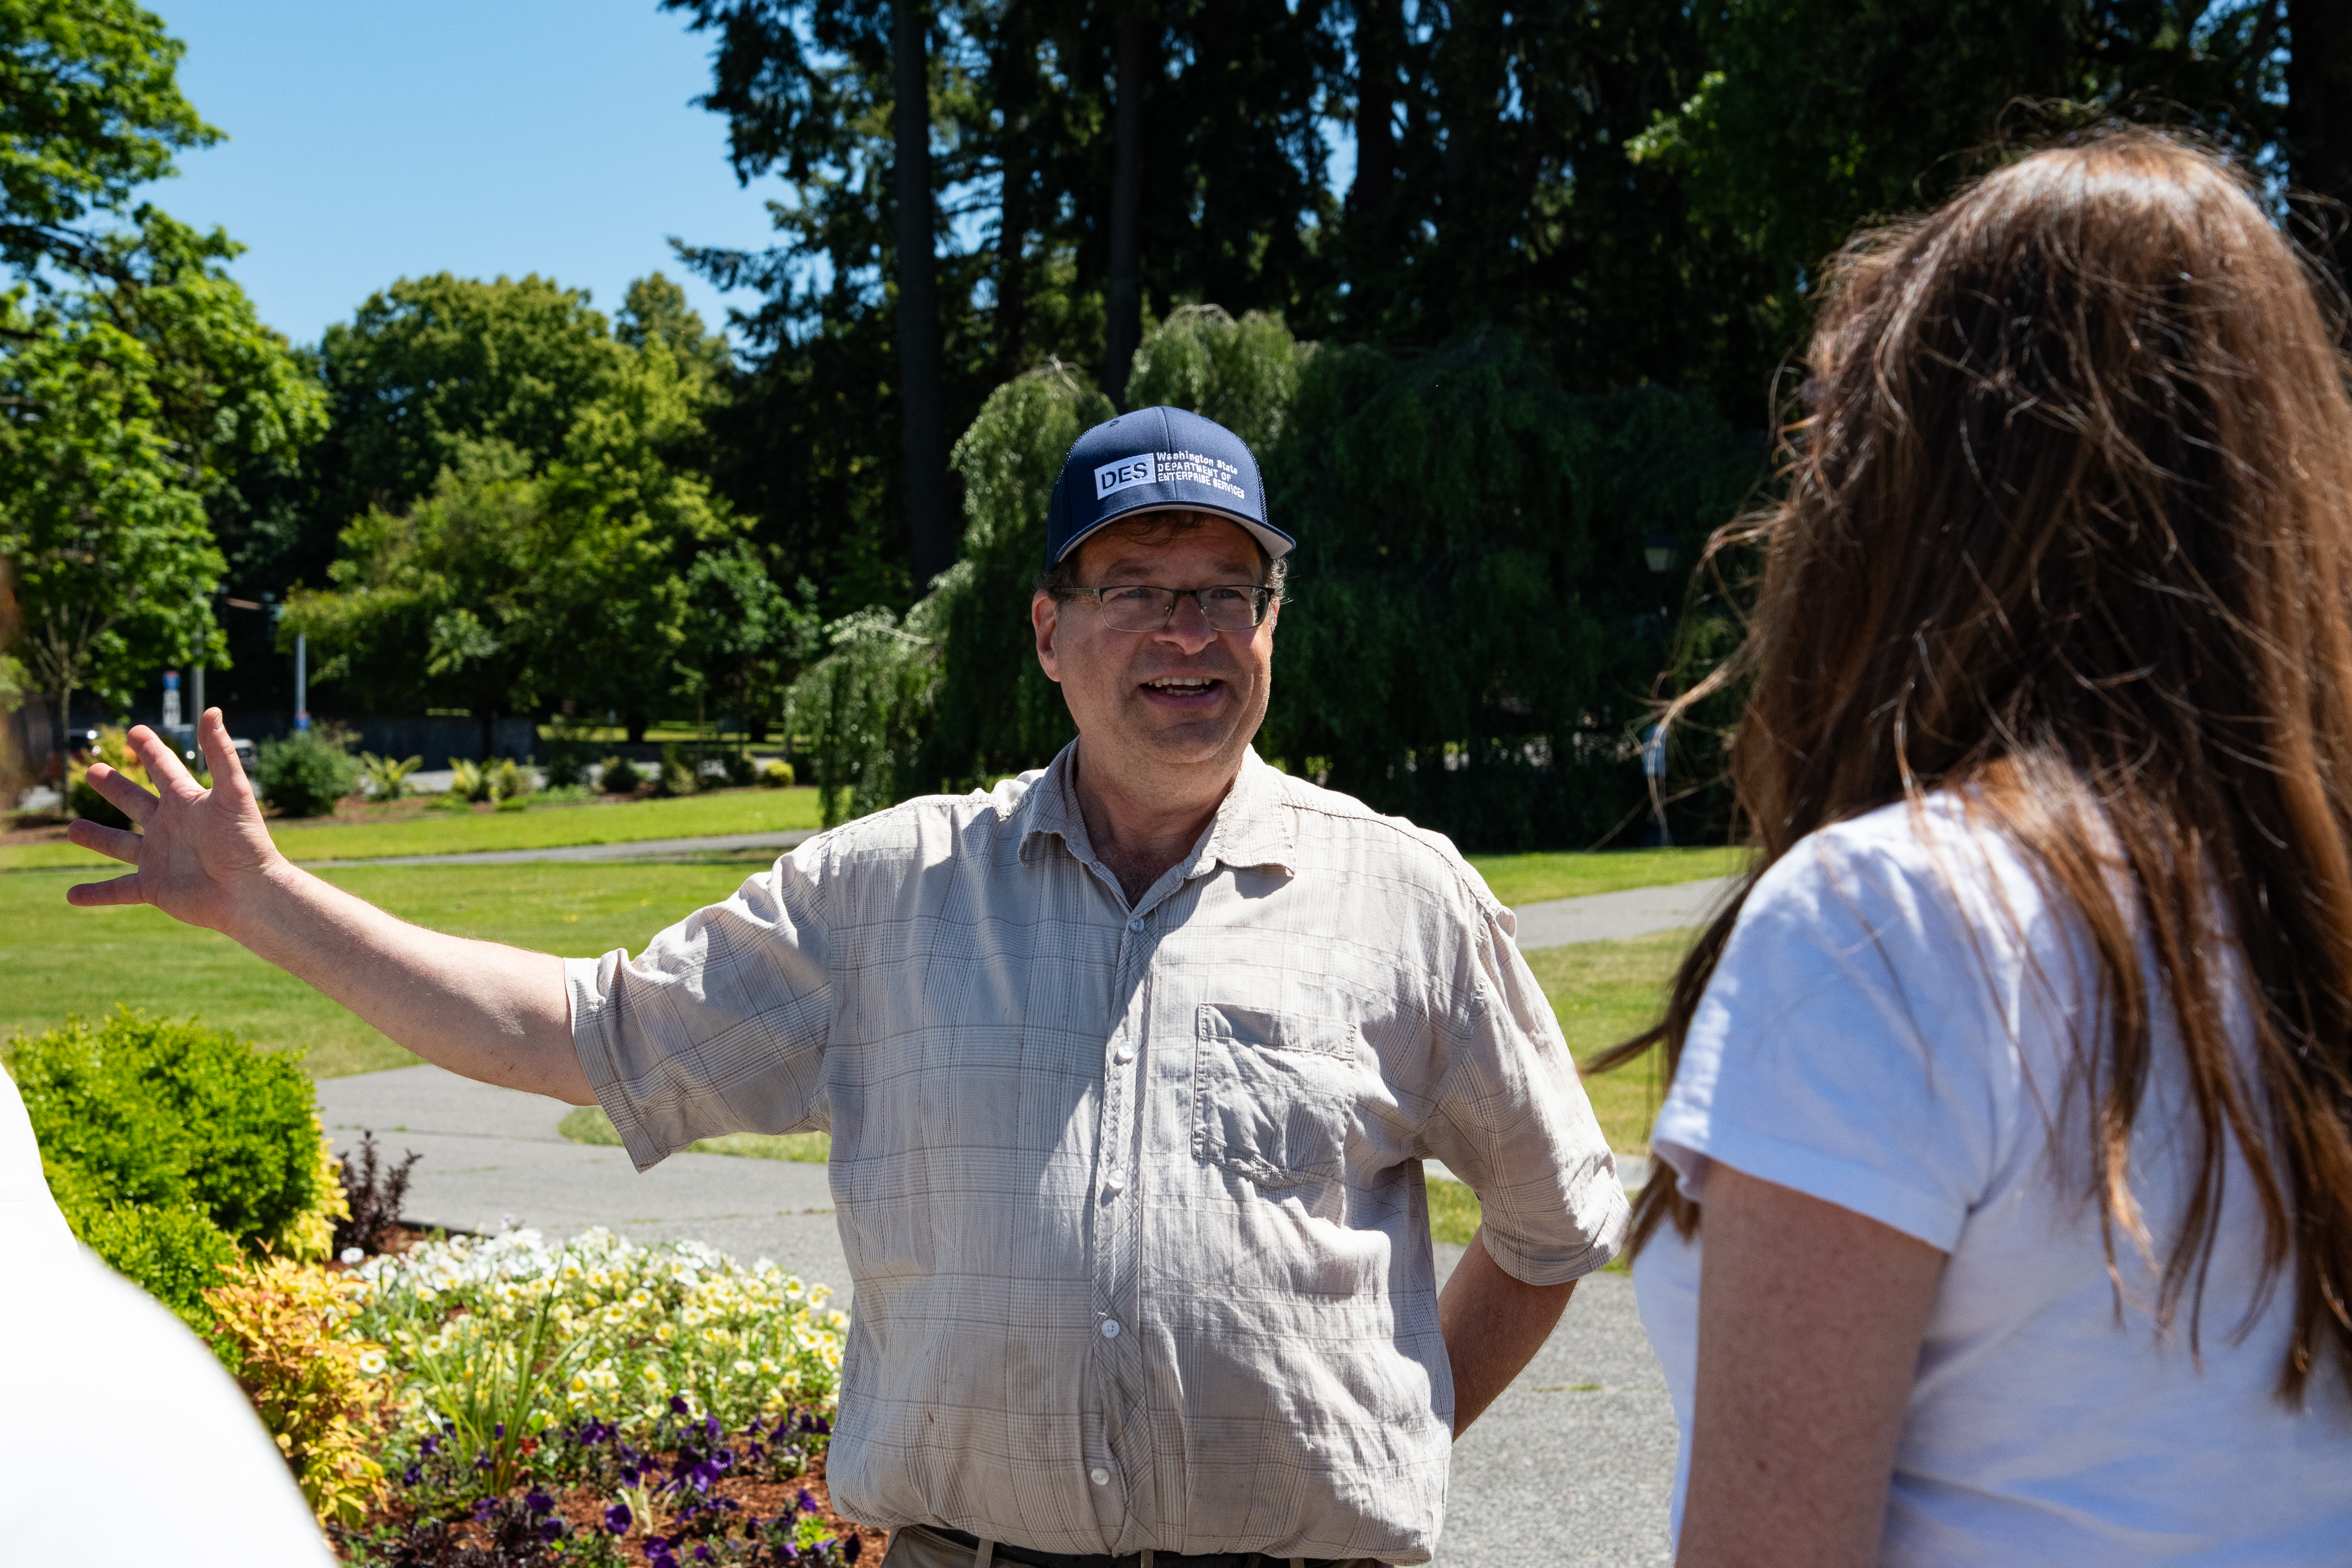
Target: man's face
x,y
1185,697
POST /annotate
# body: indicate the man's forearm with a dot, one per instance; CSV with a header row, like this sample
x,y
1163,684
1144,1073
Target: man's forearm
x,y
490,1012
1493,1326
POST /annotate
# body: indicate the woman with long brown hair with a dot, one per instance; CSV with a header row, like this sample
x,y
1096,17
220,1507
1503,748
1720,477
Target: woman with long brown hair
x,y
2004,1210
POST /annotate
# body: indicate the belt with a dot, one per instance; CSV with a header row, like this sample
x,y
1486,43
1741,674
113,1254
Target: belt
x,y
1032,1559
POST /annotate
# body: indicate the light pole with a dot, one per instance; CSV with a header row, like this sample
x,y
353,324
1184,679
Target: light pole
x,y
1658,554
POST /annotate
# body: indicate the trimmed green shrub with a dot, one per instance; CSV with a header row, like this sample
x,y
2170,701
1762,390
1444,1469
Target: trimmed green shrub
x,y
302,775
677,776
176,1255
150,1129
620,776
777,774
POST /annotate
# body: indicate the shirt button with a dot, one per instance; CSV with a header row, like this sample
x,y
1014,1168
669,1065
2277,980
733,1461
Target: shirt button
x,y
1122,1053
1110,1328
1116,1180
1136,924
1099,1476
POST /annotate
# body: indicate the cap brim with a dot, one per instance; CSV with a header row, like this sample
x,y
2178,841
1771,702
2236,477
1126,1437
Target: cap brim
x,y
1273,540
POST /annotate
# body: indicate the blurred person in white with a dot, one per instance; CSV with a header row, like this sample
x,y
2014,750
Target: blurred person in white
x,y
125,1442
2009,1216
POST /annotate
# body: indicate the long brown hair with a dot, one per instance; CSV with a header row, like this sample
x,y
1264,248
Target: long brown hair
x,y
2068,523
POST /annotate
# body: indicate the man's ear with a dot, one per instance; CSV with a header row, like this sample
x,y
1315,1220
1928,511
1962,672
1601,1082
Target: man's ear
x,y
1045,619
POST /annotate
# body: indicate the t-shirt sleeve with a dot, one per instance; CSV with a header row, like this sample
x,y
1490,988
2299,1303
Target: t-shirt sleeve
x,y
1857,1042
1511,1119
720,1025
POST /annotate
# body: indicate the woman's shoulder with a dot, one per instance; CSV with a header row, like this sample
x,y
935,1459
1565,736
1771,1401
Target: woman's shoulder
x,y
1937,867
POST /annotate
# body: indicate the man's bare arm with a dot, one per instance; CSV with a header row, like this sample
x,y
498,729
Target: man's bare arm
x,y
1493,1326
490,1012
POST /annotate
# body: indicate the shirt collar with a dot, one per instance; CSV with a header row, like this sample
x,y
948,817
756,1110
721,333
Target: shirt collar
x,y
1252,828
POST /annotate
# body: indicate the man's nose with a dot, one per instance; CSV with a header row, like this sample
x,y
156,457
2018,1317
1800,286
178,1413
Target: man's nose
x,y
1187,624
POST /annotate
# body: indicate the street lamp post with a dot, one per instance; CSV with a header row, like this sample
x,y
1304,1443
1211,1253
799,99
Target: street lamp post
x,y
1658,554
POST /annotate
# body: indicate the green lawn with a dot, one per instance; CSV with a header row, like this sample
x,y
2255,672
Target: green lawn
x,y
61,960
1534,878
690,817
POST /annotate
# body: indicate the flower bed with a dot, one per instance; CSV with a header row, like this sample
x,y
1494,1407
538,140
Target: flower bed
x,y
505,1401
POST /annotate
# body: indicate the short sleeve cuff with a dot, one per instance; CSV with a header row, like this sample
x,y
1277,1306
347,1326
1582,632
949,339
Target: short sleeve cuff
x,y
1859,1188
1599,1212
587,982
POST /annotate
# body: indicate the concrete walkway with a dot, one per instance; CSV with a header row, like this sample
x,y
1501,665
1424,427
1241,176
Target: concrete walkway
x,y
1606,917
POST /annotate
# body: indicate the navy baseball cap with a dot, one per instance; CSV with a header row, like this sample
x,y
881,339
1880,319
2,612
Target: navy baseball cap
x,y
1157,459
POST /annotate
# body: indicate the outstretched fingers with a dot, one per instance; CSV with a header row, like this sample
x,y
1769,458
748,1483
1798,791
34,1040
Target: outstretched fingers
x,y
162,761
122,889
228,773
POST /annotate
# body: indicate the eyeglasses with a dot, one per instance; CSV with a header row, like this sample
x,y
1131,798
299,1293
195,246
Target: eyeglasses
x,y
1139,608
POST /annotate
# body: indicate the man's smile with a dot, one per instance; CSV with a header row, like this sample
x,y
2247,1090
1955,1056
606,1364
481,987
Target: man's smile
x,y
1187,690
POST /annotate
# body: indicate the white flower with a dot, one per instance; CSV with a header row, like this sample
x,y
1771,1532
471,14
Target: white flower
x,y
353,1255
372,1362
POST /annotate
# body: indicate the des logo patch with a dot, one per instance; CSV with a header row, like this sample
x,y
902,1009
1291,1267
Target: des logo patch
x,y
1139,469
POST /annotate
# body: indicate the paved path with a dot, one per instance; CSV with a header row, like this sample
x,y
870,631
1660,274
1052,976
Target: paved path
x,y
1604,917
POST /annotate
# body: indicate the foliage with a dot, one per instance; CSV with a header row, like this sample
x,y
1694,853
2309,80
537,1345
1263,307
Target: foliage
x,y
1815,115
174,1253
1244,374
114,749
278,1327
593,1488
676,774
777,774
591,1326
1475,632
620,776
387,779
431,367
866,705
997,713
568,568
90,110
373,1195
151,1129
122,405
304,776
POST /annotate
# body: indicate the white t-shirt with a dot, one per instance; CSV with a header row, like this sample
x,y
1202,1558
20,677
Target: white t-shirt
x,y
1876,1039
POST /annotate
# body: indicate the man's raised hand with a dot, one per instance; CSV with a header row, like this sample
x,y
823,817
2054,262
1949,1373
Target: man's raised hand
x,y
201,852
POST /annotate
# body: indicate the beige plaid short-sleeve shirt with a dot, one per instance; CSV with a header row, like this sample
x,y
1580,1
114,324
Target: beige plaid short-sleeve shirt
x,y
1131,1195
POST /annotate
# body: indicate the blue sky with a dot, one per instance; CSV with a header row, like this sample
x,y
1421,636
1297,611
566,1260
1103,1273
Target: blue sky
x,y
370,143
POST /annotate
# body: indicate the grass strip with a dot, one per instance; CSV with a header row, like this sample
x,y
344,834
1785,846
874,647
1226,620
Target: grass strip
x,y
63,961
537,827
1540,878
589,1124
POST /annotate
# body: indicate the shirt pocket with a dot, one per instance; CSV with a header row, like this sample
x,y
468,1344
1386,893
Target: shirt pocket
x,y
1274,1094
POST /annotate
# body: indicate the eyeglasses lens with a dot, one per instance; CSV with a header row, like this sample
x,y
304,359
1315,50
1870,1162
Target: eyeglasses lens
x,y
1147,609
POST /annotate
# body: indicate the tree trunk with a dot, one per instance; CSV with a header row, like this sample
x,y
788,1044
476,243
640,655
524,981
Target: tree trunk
x,y
918,303
1376,66
489,722
2319,111
1123,331
637,724
60,709
1016,76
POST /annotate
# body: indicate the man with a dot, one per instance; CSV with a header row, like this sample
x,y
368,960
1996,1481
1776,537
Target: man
x,y
1130,1067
